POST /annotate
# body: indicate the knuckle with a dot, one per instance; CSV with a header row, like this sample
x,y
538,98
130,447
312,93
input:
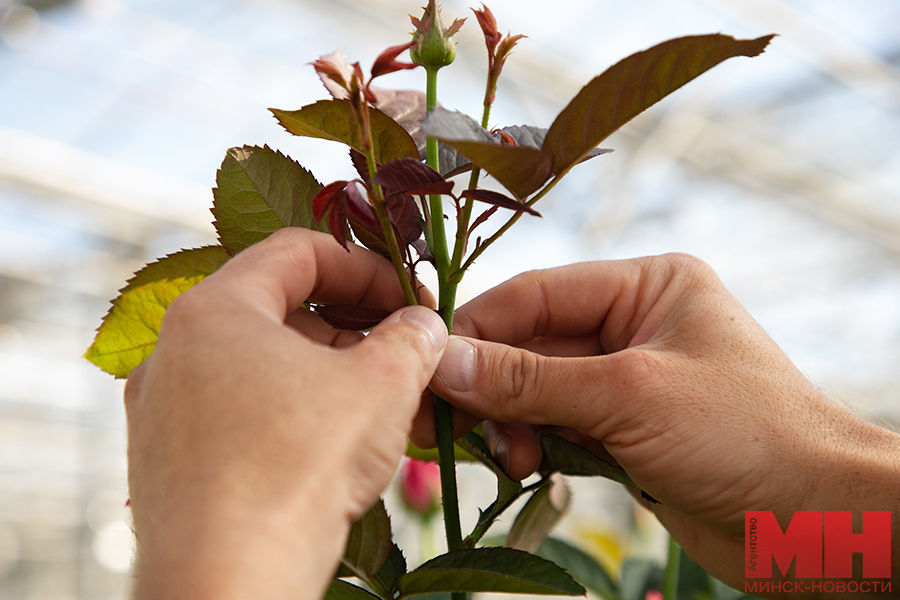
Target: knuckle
x,y
524,282
518,373
641,372
687,266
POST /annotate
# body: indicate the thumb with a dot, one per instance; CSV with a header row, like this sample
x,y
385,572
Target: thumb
x,y
503,383
408,344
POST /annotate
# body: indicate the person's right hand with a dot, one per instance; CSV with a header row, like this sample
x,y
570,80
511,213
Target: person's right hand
x,y
655,362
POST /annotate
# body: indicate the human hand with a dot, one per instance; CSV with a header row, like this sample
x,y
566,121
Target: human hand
x,y
257,433
654,363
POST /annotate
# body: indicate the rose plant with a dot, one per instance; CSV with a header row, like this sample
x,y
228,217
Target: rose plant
x,y
406,152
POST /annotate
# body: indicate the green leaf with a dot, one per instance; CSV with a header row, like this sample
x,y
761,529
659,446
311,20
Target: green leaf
x,y
259,190
563,456
129,330
474,445
369,543
520,169
581,565
631,86
639,575
540,515
507,489
341,590
489,570
394,567
333,120
693,581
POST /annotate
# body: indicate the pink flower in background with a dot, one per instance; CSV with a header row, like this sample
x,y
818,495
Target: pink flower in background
x,y
420,486
654,595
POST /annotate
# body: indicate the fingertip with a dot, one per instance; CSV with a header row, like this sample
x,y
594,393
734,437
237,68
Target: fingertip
x,y
516,446
456,370
408,343
430,322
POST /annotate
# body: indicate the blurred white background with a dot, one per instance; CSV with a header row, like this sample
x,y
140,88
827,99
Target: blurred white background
x,y
780,171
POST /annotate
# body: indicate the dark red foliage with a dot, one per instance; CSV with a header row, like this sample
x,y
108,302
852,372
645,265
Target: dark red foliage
x,y
338,201
351,318
408,175
358,208
482,218
405,216
373,239
387,61
498,199
488,26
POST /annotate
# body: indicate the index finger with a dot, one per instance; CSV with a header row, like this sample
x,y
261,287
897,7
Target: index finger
x,y
575,300
295,265
623,303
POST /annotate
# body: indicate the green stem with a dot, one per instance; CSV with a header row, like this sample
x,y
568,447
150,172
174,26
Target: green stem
x,y
390,239
672,567
436,207
446,302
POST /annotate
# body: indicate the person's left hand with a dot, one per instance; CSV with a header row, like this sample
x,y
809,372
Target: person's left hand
x,y
257,433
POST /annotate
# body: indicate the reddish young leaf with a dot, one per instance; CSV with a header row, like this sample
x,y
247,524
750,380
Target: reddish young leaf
x,y
335,72
498,199
387,61
373,239
634,84
488,25
506,46
482,218
340,201
351,318
332,201
358,208
405,216
411,176
421,246
359,163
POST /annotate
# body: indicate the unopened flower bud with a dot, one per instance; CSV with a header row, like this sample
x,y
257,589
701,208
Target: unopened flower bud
x,y
420,486
433,47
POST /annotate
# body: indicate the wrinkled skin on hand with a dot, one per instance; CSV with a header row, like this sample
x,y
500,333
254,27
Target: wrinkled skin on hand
x,y
653,363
